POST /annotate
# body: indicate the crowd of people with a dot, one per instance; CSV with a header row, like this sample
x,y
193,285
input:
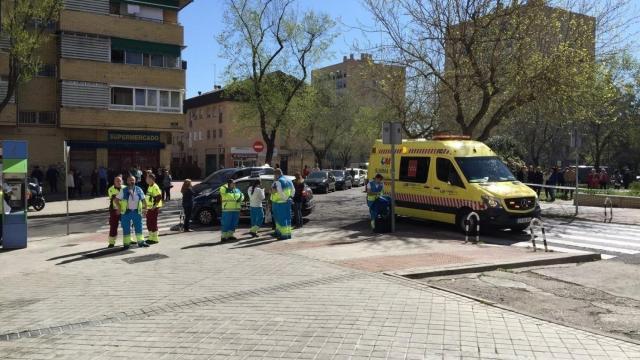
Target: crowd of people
x,y
566,177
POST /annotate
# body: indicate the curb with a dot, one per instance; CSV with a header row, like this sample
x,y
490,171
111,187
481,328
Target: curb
x,y
578,258
521,312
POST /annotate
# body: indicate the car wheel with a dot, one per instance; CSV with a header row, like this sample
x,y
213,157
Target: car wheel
x,y
206,217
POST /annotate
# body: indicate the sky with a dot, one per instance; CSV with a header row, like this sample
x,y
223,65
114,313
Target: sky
x,y
202,21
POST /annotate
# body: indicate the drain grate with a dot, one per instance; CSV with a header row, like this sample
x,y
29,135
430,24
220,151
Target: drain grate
x,y
144,258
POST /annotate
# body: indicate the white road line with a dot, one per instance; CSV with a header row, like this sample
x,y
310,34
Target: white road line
x,y
592,240
561,249
591,246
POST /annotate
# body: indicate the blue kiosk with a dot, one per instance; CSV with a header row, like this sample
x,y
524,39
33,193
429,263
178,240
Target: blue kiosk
x,y
13,176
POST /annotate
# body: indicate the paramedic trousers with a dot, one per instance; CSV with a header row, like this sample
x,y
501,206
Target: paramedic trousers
x,y
229,220
373,212
257,219
152,225
128,218
282,217
114,221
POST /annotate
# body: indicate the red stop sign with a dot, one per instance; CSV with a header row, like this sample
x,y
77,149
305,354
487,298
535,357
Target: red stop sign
x,y
258,146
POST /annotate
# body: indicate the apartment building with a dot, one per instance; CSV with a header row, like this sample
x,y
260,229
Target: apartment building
x,y
112,86
214,138
368,83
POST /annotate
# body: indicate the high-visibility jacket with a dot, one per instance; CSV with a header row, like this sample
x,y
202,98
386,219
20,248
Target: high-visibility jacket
x,y
231,198
153,192
112,192
375,188
124,202
287,189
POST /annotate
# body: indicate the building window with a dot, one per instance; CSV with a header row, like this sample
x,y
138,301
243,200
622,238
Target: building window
x,y
141,99
208,134
47,70
157,60
133,58
122,96
214,133
44,118
220,117
117,56
220,133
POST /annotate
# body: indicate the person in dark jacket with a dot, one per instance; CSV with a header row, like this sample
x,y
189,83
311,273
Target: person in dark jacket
x,y
298,185
187,203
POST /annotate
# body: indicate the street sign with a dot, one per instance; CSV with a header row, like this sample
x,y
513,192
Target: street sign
x,y
258,146
392,133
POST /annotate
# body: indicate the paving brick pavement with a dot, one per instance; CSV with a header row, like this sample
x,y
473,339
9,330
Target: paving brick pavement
x,y
201,301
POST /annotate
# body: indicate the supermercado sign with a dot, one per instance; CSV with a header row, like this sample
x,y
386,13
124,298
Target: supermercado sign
x,y
133,136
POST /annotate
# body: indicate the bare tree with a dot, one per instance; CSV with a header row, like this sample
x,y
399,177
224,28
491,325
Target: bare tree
x,y
265,37
490,58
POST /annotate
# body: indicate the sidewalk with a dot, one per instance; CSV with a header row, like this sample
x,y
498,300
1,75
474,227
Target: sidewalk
x,y
565,208
84,206
191,297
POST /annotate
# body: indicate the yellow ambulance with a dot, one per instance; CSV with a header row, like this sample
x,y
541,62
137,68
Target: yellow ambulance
x,y
446,178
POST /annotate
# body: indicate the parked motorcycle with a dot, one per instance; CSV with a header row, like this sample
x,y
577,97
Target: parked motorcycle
x,y
36,197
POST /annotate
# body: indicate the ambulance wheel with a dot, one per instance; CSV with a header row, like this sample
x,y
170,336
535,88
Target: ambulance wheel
x,y
460,222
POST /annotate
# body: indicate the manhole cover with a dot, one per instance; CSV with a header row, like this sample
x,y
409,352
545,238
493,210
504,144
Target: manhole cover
x,y
144,258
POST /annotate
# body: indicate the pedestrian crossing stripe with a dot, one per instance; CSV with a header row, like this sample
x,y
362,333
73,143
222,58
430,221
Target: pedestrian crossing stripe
x,y
577,236
564,250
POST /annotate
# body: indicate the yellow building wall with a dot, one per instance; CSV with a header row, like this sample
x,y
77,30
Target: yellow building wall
x,y
122,120
91,23
4,63
121,74
39,94
8,117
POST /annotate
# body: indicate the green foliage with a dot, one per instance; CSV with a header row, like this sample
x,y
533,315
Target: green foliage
x,y
509,151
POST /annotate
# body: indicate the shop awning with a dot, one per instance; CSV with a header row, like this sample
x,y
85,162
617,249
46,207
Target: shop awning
x,y
145,47
165,4
74,144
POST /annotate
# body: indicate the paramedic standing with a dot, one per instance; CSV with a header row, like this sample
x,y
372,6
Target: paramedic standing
x,y
375,189
231,204
114,214
281,199
132,206
256,197
154,201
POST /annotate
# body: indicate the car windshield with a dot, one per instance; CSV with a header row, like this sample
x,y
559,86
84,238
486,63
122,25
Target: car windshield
x,y
338,173
318,175
484,169
219,176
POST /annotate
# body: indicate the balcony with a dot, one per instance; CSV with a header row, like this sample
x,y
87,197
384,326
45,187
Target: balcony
x,y
124,120
121,74
121,27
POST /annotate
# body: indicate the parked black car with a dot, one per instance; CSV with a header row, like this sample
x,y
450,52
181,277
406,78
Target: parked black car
x,y
220,177
321,181
206,208
344,181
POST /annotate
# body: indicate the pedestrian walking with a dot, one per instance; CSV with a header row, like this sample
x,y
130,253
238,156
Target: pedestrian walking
x,y
187,203
166,184
570,180
593,179
71,183
79,182
37,174
231,199
603,179
94,182
298,187
114,213
154,203
374,189
52,179
305,171
256,197
103,180
281,199
132,207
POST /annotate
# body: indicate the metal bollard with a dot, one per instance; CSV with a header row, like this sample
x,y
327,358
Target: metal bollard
x,y
537,223
467,222
608,201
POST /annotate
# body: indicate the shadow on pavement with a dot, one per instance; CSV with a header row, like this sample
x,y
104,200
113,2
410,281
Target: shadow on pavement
x,y
259,241
204,245
97,254
83,253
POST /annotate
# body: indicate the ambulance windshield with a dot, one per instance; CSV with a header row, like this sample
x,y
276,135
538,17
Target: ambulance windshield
x,y
484,169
